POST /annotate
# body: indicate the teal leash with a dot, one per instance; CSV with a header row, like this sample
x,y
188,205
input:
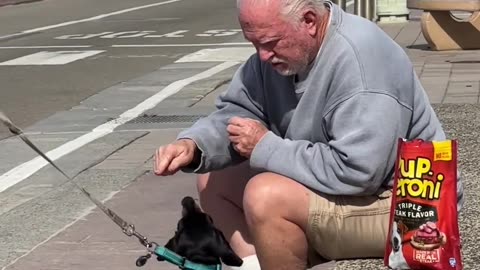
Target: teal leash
x,y
181,262
127,228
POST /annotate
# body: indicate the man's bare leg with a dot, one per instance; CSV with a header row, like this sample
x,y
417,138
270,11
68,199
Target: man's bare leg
x,y
221,196
276,210
274,207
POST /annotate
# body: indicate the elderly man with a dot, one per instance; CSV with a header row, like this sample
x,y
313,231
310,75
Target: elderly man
x,y
298,158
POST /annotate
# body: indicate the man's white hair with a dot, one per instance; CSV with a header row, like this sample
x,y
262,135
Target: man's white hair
x,y
292,8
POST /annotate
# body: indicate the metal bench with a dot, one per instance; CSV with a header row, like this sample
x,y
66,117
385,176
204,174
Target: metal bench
x,y
445,32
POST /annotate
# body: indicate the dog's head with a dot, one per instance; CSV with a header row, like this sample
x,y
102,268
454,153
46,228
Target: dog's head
x,y
398,229
197,239
396,238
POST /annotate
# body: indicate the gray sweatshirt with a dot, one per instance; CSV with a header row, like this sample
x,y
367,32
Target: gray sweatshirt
x,y
336,130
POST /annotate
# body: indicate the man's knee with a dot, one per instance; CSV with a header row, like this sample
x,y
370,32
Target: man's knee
x,y
260,194
214,183
270,195
227,184
208,191
202,182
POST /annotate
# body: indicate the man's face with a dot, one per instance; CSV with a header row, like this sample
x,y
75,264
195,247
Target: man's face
x,y
286,47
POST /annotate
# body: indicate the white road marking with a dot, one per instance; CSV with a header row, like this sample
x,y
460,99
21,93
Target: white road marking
x,y
176,34
152,34
28,168
181,45
127,34
133,45
219,33
44,47
80,36
12,35
88,19
50,58
219,55
143,20
139,56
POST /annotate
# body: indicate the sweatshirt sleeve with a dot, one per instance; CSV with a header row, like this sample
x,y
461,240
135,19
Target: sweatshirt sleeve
x,y
363,133
242,98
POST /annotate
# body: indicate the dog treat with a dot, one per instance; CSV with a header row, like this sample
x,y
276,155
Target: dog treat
x,y
423,229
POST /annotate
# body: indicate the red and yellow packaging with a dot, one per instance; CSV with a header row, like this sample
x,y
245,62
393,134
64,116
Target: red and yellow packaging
x,y
423,229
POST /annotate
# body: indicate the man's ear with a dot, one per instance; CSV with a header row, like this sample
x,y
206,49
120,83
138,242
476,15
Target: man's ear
x,y
310,21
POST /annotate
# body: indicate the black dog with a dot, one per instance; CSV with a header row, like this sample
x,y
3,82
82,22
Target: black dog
x,y
198,240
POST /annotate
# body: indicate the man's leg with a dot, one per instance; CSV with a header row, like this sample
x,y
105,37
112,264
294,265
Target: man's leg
x,y
276,210
221,196
282,214
286,219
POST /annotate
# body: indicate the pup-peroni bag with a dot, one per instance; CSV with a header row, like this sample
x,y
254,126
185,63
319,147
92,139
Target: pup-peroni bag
x,y
423,230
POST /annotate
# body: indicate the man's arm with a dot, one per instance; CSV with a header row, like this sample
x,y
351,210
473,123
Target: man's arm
x,y
242,98
361,153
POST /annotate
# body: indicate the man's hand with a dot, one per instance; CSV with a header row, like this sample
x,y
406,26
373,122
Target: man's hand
x,y
245,133
170,158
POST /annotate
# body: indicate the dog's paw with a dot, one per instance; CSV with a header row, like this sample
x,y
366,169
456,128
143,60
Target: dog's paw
x,y
231,259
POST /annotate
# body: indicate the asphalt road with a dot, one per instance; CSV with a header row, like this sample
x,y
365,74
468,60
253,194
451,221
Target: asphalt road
x,y
68,66
32,90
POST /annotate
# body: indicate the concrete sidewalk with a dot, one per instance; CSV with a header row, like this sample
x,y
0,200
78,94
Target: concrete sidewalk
x,y
447,76
153,203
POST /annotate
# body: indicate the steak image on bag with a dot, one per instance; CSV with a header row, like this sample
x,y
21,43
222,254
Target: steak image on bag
x,y
423,229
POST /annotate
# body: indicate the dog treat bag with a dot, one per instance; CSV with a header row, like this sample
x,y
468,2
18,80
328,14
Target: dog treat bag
x,y
423,229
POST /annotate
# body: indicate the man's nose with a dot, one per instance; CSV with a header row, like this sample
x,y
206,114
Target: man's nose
x,y
265,55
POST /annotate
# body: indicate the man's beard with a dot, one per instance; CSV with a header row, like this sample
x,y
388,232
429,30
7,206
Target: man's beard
x,y
292,68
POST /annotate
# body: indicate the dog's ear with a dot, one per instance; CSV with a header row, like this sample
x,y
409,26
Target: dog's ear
x,y
171,244
189,206
225,252
404,229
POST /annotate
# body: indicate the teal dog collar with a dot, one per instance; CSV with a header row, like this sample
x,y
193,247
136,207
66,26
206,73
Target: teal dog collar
x,y
181,262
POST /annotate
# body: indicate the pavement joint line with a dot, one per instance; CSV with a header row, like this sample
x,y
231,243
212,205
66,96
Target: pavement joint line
x,y
107,156
478,96
80,216
446,91
24,170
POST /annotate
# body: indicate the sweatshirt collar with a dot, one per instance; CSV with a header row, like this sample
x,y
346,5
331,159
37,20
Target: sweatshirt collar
x,y
331,27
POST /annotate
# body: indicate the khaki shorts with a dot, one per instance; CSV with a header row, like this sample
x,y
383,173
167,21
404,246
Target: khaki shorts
x,y
347,227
